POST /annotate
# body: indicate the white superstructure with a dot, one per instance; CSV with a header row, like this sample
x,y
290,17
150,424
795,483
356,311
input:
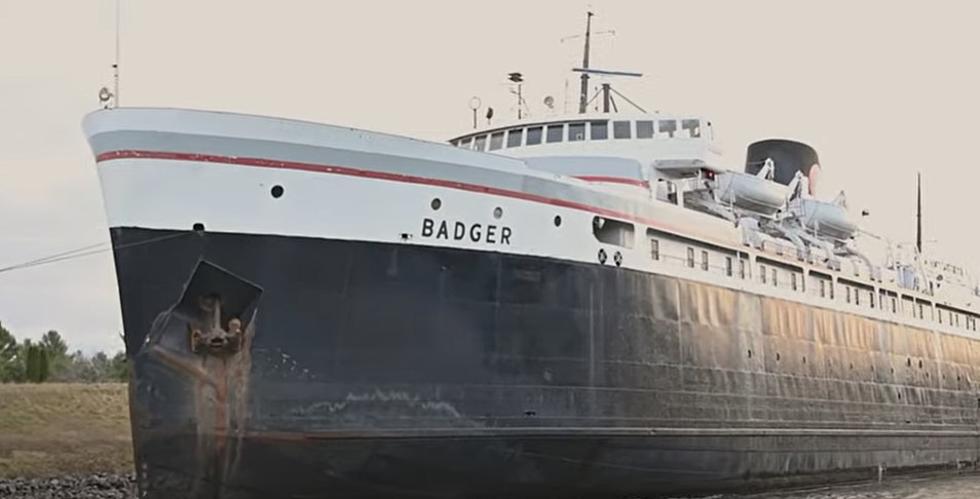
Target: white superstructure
x,y
780,236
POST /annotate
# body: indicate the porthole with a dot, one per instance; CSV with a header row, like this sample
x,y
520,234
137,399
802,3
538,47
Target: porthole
x,y
804,359
557,220
750,354
498,212
199,227
277,191
436,203
777,357
602,256
920,364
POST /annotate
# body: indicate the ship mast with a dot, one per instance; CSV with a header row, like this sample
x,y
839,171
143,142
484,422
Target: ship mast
x,y
115,64
583,99
918,212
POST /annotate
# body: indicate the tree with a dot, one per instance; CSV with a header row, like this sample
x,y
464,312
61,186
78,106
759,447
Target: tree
x,y
35,362
57,352
10,361
79,369
101,366
119,370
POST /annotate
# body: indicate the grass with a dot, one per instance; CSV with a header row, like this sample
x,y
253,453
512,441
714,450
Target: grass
x,y
55,429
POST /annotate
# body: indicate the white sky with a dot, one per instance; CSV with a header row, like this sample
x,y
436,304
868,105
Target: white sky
x,y
881,89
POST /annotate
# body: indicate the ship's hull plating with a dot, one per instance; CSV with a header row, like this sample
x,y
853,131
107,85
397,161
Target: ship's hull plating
x,y
373,369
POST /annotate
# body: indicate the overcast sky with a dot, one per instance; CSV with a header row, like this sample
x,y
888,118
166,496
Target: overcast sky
x,y
882,89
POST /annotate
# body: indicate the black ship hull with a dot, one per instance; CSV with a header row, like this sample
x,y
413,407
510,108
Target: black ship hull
x,y
399,370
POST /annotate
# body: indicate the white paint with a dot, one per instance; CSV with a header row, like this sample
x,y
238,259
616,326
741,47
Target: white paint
x,y
175,195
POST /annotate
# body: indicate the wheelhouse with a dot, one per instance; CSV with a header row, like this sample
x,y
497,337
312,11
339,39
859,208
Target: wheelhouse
x,y
586,130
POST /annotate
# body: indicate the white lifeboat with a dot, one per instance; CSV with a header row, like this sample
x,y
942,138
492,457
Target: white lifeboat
x,y
827,219
750,192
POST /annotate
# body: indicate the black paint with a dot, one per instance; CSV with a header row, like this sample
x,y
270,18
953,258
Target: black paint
x,y
414,371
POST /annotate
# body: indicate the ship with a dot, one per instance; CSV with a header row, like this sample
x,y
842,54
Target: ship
x,y
584,305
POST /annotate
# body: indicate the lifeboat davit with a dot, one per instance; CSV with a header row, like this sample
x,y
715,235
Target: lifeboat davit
x,y
827,219
751,193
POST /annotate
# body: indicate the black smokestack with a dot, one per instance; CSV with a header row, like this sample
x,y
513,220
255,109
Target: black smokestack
x,y
789,157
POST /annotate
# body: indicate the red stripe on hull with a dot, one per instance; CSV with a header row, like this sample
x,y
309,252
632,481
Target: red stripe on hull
x,y
395,177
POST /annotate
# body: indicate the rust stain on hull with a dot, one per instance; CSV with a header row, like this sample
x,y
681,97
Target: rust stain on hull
x,y
206,340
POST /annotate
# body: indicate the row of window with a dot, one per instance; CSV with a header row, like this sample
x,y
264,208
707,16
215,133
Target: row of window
x,y
856,294
620,233
580,131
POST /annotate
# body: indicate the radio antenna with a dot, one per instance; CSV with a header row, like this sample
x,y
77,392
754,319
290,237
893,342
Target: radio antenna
x,y
918,212
115,64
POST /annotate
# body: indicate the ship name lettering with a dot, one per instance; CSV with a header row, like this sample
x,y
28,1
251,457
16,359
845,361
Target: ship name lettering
x,y
458,231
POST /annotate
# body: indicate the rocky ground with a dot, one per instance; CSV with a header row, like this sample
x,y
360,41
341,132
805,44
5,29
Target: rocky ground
x,y
95,486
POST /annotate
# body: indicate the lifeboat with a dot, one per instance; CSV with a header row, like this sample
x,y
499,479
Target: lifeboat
x,y
827,219
751,193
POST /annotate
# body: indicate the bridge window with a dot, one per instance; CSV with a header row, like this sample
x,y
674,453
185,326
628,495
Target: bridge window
x,y
465,143
693,127
514,137
741,268
654,249
533,135
792,280
480,143
496,140
600,130
621,129
667,126
690,257
704,260
775,281
728,266
644,129
576,132
762,273
556,133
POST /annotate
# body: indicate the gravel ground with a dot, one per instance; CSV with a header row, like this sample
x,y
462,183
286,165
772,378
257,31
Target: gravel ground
x,y
97,486
122,486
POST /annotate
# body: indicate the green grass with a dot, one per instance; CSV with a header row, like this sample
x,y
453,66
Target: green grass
x,y
54,428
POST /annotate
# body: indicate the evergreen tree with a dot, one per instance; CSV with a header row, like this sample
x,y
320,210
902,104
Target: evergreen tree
x,y
10,361
119,368
48,359
57,352
32,363
44,368
36,365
